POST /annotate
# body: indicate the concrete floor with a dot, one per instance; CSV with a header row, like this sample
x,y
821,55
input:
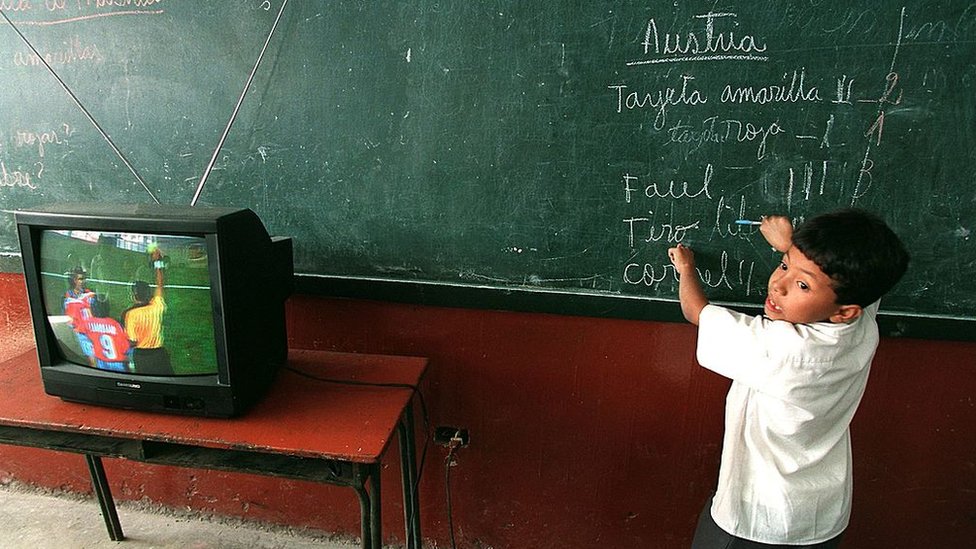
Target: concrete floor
x,y
35,519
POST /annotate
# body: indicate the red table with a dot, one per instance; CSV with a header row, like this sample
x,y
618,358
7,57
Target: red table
x,y
329,417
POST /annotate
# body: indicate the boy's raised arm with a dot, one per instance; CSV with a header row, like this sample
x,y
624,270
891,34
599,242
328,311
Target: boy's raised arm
x,y
690,292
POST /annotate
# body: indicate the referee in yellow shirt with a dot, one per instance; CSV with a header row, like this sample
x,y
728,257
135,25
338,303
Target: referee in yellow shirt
x,y
144,323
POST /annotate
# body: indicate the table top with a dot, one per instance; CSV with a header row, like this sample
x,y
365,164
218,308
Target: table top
x,y
319,415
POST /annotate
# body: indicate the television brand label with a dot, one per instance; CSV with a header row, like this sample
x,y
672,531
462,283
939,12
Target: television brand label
x,y
128,385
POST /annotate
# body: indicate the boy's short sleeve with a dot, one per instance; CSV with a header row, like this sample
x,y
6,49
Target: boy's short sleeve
x,y
752,350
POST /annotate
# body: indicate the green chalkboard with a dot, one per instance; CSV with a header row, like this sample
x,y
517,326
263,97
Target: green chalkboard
x,y
541,147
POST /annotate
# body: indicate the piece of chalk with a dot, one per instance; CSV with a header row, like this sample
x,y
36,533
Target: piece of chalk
x,y
747,222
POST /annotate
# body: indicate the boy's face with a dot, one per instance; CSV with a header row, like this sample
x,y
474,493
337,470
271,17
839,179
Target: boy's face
x,y
800,292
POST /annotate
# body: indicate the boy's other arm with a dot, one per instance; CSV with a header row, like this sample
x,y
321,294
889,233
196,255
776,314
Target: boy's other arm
x,y
690,292
778,231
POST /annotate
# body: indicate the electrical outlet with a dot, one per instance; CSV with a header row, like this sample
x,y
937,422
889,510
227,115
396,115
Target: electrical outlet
x,y
447,436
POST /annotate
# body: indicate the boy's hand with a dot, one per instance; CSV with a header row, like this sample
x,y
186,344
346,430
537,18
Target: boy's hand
x,y
690,294
682,258
778,231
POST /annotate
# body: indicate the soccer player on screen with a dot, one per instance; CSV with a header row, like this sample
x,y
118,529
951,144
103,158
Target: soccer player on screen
x,y
79,297
143,322
110,348
77,305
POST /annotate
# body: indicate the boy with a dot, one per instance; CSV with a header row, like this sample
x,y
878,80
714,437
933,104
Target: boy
x,y
798,372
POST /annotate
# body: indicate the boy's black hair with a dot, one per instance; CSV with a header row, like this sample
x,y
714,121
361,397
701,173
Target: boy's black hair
x,y
857,250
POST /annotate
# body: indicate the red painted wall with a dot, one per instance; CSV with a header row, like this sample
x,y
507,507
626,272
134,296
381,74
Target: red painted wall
x,y
584,433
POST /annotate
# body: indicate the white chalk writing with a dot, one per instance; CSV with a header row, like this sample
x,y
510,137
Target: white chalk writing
x,y
749,116
793,92
72,51
67,12
659,100
19,177
38,139
703,44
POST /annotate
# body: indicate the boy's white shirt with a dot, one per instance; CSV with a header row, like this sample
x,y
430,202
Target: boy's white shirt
x,y
785,475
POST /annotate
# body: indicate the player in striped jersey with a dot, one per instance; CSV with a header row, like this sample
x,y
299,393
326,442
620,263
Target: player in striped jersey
x,y
78,299
77,305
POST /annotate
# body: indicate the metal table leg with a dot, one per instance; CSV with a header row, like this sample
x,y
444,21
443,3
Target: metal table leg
x,y
364,517
104,495
408,470
375,504
371,522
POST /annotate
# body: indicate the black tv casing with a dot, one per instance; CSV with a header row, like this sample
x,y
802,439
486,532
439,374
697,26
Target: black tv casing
x,y
251,276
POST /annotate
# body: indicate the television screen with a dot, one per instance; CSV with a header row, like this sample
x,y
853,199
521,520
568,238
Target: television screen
x,y
130,302
156,307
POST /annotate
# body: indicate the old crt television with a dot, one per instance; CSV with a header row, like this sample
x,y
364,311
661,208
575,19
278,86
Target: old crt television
x,y
160,308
